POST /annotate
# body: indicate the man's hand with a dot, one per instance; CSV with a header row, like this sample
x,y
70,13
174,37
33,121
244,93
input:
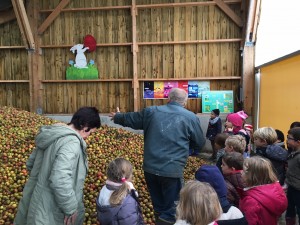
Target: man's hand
x,y
112,114
70,220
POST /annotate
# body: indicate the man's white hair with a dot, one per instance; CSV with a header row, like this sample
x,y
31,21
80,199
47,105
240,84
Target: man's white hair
x,y
178,95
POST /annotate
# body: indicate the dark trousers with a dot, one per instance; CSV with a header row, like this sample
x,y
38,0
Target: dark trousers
x,y
164,192
293,208
214,151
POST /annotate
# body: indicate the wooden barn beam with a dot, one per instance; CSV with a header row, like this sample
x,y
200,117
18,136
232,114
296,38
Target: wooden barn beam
x,y
23,22
256,20
162,5
250,21
35,61
52,16
229,12
7,15
248,79
249,56
135,82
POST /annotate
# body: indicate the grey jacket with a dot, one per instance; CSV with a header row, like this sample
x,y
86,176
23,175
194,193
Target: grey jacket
x,y
293,171
58,167
169,130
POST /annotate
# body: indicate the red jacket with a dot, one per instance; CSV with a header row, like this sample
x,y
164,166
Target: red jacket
x,y
263,204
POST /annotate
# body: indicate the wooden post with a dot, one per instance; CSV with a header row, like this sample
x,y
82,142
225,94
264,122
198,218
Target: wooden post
x,y
248,79
135,82
249,57
35,62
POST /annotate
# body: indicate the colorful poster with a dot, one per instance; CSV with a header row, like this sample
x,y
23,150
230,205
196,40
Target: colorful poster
x,y
203,86
184,85
168,85
159,89
193,89
222,100
149,89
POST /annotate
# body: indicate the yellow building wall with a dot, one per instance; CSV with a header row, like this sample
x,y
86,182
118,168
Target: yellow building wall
x,y
280,94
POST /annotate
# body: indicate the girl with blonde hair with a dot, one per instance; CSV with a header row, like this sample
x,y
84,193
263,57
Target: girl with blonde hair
x,y
117,202
198,205
264,200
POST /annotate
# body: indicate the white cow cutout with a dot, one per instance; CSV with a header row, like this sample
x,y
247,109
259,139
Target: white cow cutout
x,y
80,59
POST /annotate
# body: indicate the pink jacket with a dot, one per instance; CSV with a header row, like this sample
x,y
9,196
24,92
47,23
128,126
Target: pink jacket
x,y
263,204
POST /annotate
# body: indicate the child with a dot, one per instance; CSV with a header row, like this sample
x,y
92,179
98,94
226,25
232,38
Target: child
x,y
231,215
264,140
234,143
220,144
280,138
117,202
293,125
214,128
198,205
232,167
263,200
235,125
235,122
293,176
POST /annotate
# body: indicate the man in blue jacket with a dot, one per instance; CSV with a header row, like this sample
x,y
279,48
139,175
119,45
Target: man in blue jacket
x,y
169,131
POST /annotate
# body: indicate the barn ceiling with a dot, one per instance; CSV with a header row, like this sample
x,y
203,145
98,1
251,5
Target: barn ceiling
x,y
5,4
15,9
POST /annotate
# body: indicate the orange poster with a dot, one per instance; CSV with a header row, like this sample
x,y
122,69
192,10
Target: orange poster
x,y
159,89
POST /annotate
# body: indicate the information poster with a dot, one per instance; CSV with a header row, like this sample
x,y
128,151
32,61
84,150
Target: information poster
x,y
222,100
195,88
158,89
149,89
161,89
168,86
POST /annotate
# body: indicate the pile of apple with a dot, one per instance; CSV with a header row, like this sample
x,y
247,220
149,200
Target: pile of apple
x,y
17,132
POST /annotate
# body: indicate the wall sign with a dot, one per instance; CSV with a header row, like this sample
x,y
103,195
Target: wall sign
x,y
222,100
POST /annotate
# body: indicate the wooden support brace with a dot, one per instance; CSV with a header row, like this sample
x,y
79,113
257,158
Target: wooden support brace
x,y
23,22
229,12
52,16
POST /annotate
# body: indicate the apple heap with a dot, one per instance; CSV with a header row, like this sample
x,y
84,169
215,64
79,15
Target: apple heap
x,y
17,132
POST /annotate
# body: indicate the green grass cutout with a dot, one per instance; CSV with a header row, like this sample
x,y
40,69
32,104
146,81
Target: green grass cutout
x,y
89,73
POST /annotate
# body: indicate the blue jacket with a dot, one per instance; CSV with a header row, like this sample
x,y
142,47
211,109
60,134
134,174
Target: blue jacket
x,y
169,130
128,213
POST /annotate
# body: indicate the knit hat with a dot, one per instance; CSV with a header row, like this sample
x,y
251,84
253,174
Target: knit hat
x,y
216,111
212,175
235,119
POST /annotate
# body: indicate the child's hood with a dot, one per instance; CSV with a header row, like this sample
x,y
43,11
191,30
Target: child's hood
x,y
270,196
276,152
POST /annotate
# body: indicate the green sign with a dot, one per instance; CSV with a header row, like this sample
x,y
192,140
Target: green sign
x,y
222,100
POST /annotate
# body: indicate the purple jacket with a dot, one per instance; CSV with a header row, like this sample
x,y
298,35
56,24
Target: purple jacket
x,y
128,213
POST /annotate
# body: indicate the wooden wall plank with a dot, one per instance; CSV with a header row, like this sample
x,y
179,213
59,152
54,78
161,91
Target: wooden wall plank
x,y
177,19
188,48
